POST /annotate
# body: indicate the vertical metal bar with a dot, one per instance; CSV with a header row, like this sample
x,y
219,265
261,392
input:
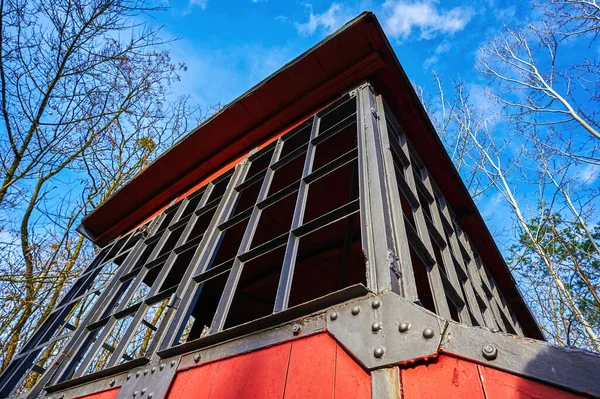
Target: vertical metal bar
x,y
490,320
463,312
406,283
200,260
460,263
375,214
236,270
433,272
287,270
348,230
104,301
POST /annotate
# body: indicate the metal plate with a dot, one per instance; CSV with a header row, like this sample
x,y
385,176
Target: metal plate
x,y
385,383
150,382
370,329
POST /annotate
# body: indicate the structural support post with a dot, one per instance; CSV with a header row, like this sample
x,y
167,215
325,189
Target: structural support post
x,y
382,269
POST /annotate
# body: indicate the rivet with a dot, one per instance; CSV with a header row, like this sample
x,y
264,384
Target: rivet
x,y
162,366
129,376
112,382
378,352
137,374
145,371
135,393
403,327
153,369
143,391
355,310
376,303
296,329
428,333
172,363
150,395
62,396
333,315
489,352
376,327
196,358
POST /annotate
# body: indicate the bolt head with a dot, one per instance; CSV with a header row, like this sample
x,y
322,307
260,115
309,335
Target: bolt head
x,y
172,363
355,310
112,382
145,371
403,327
375,327
333,316
196,358
137,374
135,393
489,352
150,395
428,333
143,391
296,329
153,369
378,352
376,303
129,376
162,366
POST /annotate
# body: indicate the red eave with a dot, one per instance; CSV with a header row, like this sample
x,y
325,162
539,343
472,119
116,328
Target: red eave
x,y
358,51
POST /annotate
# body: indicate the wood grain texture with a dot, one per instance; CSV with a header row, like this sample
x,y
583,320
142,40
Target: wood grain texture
x,y
310,367
351,381
500,385
447,377
311,373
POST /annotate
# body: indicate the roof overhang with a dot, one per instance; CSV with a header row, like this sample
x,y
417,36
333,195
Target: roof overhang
x,y
357,51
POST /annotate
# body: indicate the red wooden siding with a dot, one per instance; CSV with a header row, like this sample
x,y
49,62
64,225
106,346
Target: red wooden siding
x,y
110,394
449,377
312,367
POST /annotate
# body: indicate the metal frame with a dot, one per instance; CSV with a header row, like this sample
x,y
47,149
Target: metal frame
x,y
401,212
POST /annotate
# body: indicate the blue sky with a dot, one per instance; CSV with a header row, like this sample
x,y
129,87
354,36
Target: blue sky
x,y
229,46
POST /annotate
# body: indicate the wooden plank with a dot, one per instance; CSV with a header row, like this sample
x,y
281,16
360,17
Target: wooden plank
x,y
500,385
351,381
266,379
311,371
194,383
448,377
109,394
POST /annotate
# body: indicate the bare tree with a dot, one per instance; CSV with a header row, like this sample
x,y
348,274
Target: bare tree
x,y
85,104
573,17
524,66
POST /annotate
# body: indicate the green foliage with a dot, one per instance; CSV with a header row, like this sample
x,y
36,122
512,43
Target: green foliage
x,y
571,252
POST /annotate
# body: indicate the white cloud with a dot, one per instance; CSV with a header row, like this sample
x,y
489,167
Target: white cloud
x,y
198,3
589,174
441,48
404,17
329,21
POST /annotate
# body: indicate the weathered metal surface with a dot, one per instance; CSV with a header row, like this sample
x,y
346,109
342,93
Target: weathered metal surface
x,y
387,344
573,369
149,382
251,342
385,383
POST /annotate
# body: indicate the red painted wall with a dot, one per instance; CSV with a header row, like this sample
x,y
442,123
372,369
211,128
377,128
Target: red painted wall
x,y
110,394
317,367
311,367
449,377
